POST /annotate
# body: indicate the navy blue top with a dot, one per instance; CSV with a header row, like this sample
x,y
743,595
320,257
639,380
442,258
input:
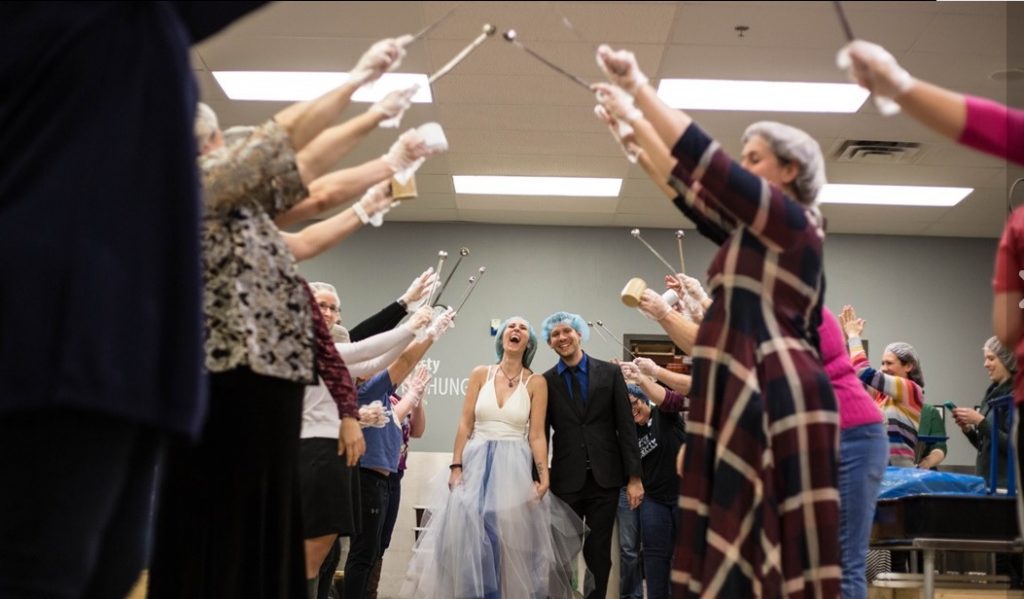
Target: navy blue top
x,y
383,445
581,373
100,208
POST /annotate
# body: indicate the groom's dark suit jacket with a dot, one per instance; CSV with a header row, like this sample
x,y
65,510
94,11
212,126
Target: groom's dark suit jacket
x,y
605,433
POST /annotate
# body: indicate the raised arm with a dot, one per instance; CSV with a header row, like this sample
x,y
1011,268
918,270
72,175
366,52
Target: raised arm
x,y
305,120
902,390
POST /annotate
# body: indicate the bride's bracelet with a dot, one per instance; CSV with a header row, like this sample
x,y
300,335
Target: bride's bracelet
x,y
454,466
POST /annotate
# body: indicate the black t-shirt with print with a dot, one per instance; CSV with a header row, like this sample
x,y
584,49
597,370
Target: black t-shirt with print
x,y
660,440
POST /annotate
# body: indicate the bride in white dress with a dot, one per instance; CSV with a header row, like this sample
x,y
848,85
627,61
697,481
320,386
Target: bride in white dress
x,y
495,531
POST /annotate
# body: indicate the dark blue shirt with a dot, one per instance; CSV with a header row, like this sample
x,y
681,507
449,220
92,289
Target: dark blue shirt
x,y
383,445
581,373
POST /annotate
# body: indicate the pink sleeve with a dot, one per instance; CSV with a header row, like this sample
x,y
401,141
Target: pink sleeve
x,y
993,128
1009,257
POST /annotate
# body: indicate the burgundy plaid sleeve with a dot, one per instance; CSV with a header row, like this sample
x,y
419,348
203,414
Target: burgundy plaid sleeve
x,y
330,365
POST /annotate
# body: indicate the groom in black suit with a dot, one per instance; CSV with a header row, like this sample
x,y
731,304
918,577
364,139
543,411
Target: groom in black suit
x,y
594,448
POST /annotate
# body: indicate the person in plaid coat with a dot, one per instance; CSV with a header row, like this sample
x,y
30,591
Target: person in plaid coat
x,y
759,503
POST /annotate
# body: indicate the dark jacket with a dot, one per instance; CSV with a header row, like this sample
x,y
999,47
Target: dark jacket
x,y
605,434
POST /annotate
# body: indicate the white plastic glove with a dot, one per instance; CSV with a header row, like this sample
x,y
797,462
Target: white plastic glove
x,y
382,56
441,324
646,366
419,290
412,148
621,68
374,204
373,415
622,132
653,306
617,102
875,69
630,372
419,320
418,383
691,309
694,289
394,106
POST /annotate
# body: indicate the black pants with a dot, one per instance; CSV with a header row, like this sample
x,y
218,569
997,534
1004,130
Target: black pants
x,y
364,550
597,507
76,491
228,521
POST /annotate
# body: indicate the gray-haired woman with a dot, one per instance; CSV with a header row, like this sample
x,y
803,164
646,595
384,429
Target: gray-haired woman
x,y
759,515
979,426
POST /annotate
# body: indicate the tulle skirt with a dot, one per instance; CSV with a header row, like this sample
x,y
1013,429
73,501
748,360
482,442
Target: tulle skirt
x,y
491,537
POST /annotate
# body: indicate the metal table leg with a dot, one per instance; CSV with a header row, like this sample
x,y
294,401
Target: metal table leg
x,y
929,573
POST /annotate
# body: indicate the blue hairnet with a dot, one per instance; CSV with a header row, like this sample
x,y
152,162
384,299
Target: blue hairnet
x,y
636,391
531,343
574,320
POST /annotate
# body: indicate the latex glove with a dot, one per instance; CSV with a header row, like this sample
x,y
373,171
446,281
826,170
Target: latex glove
x,y
646,366
622,132
409,151
420,379
630,372
382,56
443,322
616,102
621,68
876,70
653,306
374,204
694,289
394,106
420,319
692,309
419,290
351,443
373,415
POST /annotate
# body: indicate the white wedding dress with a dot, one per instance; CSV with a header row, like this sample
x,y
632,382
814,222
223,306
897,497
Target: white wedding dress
x,y
491,537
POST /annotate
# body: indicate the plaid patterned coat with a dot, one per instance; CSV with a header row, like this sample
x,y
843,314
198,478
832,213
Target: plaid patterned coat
x,y
758,498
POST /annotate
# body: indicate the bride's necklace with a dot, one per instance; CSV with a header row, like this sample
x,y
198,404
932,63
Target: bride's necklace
x,y
507,377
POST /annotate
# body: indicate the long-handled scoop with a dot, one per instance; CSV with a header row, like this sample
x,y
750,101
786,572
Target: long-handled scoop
x,y
469,288
451,64
615,338
463,252
511,36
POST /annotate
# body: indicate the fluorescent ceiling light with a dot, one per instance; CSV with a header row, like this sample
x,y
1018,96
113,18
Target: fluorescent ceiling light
x,y
537,186
295,86
892,195
769,96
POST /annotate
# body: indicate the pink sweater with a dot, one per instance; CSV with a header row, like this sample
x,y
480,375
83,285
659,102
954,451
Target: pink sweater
x,y
856,407
995,129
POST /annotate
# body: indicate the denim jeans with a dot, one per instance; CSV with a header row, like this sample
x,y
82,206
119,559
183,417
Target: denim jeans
x,y
863,456
659,523
630,574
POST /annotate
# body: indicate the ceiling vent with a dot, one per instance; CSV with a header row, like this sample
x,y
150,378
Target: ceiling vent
x,y
877,152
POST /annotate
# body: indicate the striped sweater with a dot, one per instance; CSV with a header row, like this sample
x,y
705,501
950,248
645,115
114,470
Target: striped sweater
x,y
899,398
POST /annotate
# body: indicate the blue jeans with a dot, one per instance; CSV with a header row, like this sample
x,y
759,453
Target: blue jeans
x,y
863,456
631,576
659,522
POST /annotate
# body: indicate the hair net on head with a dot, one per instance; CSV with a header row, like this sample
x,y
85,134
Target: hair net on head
x,y
636,391
531,343
908,355
794,145
205,125
1004,355
319,287
574,320
238,132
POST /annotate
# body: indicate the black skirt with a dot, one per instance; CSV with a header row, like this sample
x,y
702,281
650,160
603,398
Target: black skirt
x,y
330,490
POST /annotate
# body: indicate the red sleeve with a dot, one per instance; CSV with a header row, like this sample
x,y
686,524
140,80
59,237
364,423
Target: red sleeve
x,y
330,365
1010,256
